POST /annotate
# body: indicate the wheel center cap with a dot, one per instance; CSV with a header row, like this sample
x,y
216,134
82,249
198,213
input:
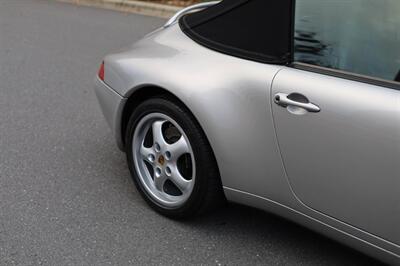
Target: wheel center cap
x,y
161,160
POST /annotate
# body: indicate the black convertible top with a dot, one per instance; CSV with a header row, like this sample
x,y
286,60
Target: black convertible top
x,y
259,30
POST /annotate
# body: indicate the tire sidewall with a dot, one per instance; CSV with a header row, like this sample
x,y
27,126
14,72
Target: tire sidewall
x,y
201,157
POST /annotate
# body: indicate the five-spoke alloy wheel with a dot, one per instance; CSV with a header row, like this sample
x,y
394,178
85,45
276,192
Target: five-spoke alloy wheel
x,y
164,160
170,159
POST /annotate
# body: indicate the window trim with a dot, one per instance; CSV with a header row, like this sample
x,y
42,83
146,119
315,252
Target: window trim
x,y
331,71
346,75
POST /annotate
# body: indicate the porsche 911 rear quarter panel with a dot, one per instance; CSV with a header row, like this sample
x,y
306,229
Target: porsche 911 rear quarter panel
x,y
230,98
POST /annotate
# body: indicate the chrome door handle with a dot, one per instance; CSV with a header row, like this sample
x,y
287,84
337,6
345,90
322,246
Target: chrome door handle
x,y
297,100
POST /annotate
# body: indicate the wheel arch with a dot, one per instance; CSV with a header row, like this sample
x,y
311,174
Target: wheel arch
x,y
137,96
148,91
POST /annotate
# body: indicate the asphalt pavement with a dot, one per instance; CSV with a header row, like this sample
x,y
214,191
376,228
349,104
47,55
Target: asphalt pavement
x,y
66,196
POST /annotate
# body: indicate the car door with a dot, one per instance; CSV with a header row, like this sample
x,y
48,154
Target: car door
x,y
337,112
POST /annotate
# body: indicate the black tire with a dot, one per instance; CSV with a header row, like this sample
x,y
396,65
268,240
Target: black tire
x,y
207,192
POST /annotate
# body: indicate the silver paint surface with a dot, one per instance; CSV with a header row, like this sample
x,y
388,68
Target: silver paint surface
x,y
233,101
343,161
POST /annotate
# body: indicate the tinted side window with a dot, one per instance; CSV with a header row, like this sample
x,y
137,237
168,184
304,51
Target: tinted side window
x,y
359,36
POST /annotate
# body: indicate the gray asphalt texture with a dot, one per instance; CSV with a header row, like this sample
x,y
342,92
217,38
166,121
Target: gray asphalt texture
x,y
66,196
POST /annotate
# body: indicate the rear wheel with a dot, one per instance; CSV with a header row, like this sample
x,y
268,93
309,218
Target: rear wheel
x,y
170,159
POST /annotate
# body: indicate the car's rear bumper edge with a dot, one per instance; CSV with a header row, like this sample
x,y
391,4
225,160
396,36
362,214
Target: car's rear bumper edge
x,y
111,104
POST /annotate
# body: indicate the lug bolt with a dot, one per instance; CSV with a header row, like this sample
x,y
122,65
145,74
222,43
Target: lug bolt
x,y
168,171
158,172
151,158
157,147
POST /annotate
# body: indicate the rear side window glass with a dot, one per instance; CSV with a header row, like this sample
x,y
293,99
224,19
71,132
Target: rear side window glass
x,y
358,36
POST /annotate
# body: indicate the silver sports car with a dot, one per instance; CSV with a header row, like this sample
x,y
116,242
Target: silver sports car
x,y
288,106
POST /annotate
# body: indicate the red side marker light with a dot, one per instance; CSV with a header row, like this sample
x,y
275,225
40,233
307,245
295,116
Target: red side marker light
x,y
101,71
